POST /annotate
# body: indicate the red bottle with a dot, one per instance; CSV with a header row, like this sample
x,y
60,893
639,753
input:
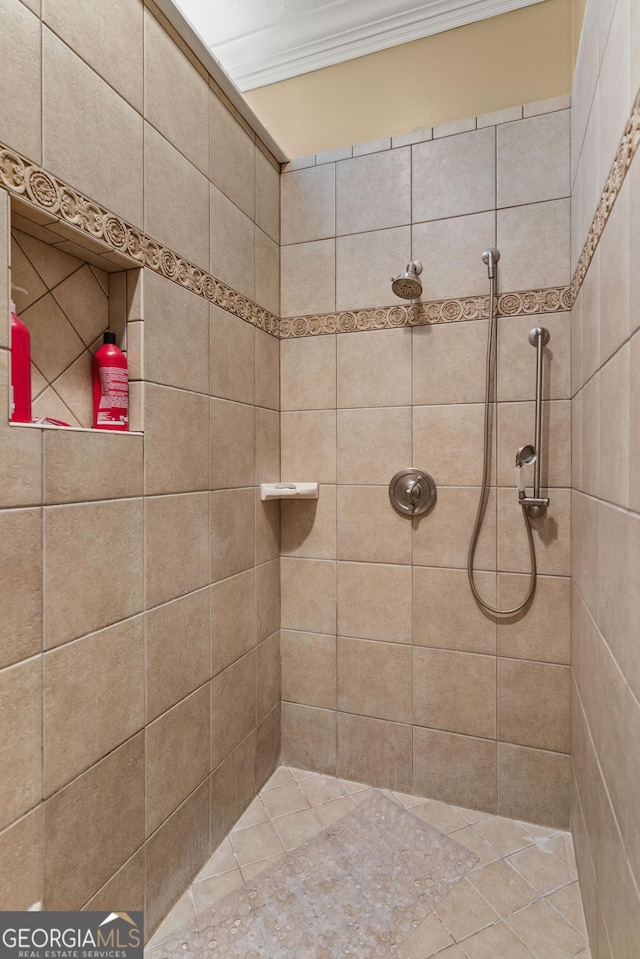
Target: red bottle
x,y
110,387
20,370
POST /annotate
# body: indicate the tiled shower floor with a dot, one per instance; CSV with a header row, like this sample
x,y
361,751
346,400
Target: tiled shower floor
x,y
522,900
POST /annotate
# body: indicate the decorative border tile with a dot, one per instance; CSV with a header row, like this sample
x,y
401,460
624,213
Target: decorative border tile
x,y
50,195
528,302
626,151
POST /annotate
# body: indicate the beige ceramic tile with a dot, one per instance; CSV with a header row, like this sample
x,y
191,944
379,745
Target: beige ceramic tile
x,y
441,537
541,869
232,445
267,600
454,768
267,354
374,602
533,159
179,216
568,901
233,788
26,284
499,116
309,737
308,372
533,704
267,530
119,62
177,756
372,146
374,679
254,814
209,891
373,750
127,885
373,444
182,840
267,197
373,192
309,669
232,532
429,938
445,614
321,789
77,466
307,278
309,526
308,595
455,691
233,706
614,252
439,353
267,279
545,932
170,675
503,888
21,112
255,843
440,815
283,800
21,718
232,158
454,127
188,367
94,815
454,176
521,770
21,582
170,83
233,620
181,913
368,529
496,940
102,716
54,342
438,429
176,440
76,540
413,136
374,369
84,303
21,855
92,134
470,838
464,912
456,245
308,204
268,675
298,828
615,413
364,264
524,264
49,404
308,446
232,244
516,359
267,446
281,777
505,835
74,390
176,546
332,156
516,425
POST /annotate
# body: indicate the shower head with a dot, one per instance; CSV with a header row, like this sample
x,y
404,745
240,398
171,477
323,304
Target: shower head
x,y
526,455
407,285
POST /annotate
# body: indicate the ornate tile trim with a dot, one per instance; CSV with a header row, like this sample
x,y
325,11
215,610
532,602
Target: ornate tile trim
x,y
626,151
526,303
50,195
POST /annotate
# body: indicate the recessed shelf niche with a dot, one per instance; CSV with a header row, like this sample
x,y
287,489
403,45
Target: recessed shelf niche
x,y
68,289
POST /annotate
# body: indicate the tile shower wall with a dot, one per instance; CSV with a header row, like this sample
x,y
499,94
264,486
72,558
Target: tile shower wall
x,y
606,489
391,674
139,663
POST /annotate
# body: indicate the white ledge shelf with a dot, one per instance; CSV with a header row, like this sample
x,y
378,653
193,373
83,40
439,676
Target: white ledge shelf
x,y
287,490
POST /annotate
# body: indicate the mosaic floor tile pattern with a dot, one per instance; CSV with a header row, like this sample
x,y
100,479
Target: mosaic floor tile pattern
x,y
521,900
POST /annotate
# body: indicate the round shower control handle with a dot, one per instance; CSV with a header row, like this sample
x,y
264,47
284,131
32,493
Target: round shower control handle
x,y
412,492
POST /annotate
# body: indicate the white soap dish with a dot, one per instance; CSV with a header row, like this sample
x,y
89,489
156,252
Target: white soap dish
x,y
289,491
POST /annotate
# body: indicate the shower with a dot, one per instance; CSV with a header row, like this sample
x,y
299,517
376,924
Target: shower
x,y
407,285
532,506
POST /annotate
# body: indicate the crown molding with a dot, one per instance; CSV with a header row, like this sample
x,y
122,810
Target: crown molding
x,y
342,31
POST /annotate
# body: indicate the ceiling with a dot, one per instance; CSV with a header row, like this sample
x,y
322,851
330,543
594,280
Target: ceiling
x,y
259,42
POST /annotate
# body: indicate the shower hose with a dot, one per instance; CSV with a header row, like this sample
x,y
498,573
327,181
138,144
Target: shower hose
x,y
485,480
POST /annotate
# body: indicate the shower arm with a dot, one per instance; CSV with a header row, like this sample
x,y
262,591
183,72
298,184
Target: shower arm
x,y
536,504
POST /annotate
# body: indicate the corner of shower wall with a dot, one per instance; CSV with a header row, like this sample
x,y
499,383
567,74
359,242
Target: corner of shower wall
x,y
606,495
390,672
